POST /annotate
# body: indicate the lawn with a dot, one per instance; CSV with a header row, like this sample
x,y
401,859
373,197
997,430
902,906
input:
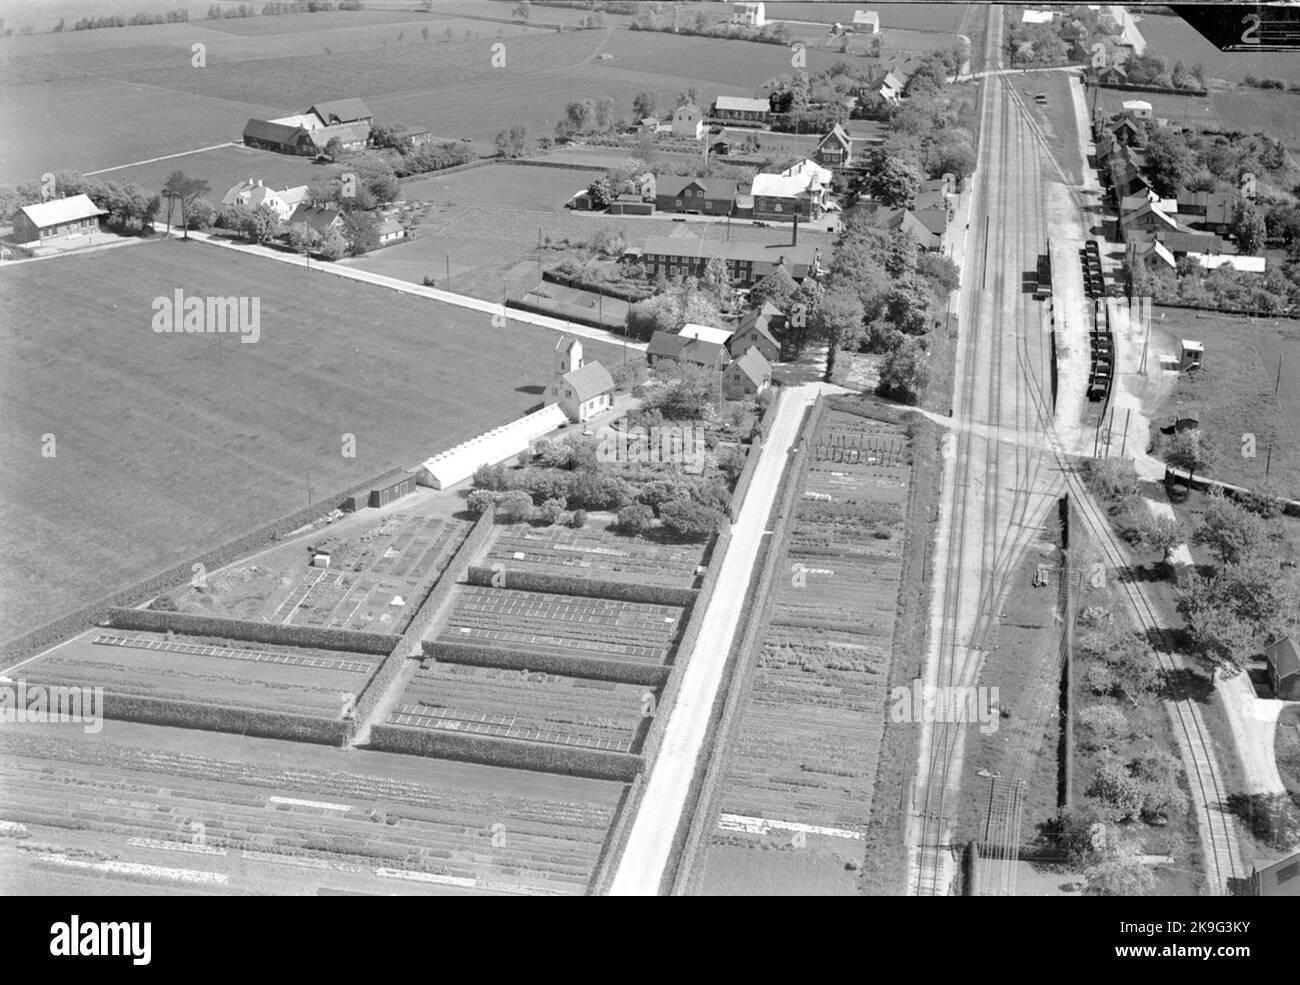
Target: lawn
x,y
1232,395
167,445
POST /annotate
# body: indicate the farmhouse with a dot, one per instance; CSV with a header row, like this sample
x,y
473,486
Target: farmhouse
x,y
747,263
1283,657
835,149
798,191
309,132
740,109
688,121
390,231
1138,109
582,389
686,349
758,330
1280,878
58,218
701,196
749,14
1113,75
866,21
747,376
254,194
283,138
320,220
342,111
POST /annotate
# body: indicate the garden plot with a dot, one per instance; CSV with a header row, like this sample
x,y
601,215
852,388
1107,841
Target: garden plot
x,y
184,811
527,706
598,554
180,668
563,624
803,756
380,568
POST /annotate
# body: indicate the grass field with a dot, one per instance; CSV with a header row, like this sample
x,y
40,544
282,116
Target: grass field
x,y
1274,113
223,167
485,223
217,437
805,748
525,706
182,811
1233,394
381,566
299,681
1173,38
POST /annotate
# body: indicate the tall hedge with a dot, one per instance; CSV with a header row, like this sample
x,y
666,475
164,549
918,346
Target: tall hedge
x,y
509,753
223,718
317,637
569,664
565,584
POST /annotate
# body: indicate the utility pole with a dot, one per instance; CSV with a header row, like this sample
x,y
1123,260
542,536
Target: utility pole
x,y
1124,444
308,487
448,270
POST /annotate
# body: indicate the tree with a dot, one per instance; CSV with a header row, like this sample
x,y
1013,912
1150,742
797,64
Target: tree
x,y
1106,722
1218,635
1157,775
1249,228
360,232
604,113
512,143
905,371
523,10
179,189
716,280
1134,670
550,510
1113,786
1186,451
689,520
479,500
777,287
894,182
1159,533
578,115
644,104
635,518
261,224
333,149
687,96
1170,162
1119,871
578,520
202,215
601,193
302,238
837,319
1229,530
332,244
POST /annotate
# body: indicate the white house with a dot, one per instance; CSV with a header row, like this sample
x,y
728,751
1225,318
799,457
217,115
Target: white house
x,y
1245,264
1037,17
256,193
1138,109
581,389
749,14
688,121
866,22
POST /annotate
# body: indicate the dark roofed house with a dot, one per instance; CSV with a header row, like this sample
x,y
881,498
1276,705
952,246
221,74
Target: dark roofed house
x,y
1283,658
342,111
706,196
758,329
283,138
1214,211
1112,75
684,349
321,220
747,263
907,221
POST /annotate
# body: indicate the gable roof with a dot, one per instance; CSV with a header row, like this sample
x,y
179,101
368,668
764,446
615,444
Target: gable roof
x,y
319,219
1149,208
760,320
705,333
935,220
689,108
672,186
341,111
754,366
1284,655
280,133
348,133
1217,207
742,104
60,210
839,134
589,380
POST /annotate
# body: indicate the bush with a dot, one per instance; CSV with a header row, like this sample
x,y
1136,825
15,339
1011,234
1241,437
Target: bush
x,y
514,506
1106,722
550,510
1099,678
578,520
635,519
689,520
479,500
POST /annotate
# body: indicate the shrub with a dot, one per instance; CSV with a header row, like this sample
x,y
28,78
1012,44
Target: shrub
x,y
479,500
550,510
578,520
492,477
514,506
635,518
1100,679
688,519
1106,722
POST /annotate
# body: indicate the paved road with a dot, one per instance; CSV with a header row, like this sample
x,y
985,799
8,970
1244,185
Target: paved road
x,y
644,860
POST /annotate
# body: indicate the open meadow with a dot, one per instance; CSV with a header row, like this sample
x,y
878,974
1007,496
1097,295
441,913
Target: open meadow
x,y
141,809
1173,39
801,762
167,445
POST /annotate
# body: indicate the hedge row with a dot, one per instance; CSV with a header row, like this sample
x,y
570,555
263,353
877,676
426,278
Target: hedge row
x,y
1242,312
424,617
558,584
178,574
1142,87
566,165
630,294
509,753
155,621
609,325
1290,507
222,718
760,600
568,664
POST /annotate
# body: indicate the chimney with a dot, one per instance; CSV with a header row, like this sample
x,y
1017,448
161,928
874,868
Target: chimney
x,y
795,241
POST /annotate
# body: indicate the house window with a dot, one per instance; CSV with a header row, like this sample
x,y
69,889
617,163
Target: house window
x,y
776,207
679,203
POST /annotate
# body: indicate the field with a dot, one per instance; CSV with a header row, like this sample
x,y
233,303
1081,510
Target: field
x,y
942,18
546,623
486,222
181,668
223,167
801,767
217,437
526,706
381,566
1232,395
1274,113
1173,38
594,553
140,809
